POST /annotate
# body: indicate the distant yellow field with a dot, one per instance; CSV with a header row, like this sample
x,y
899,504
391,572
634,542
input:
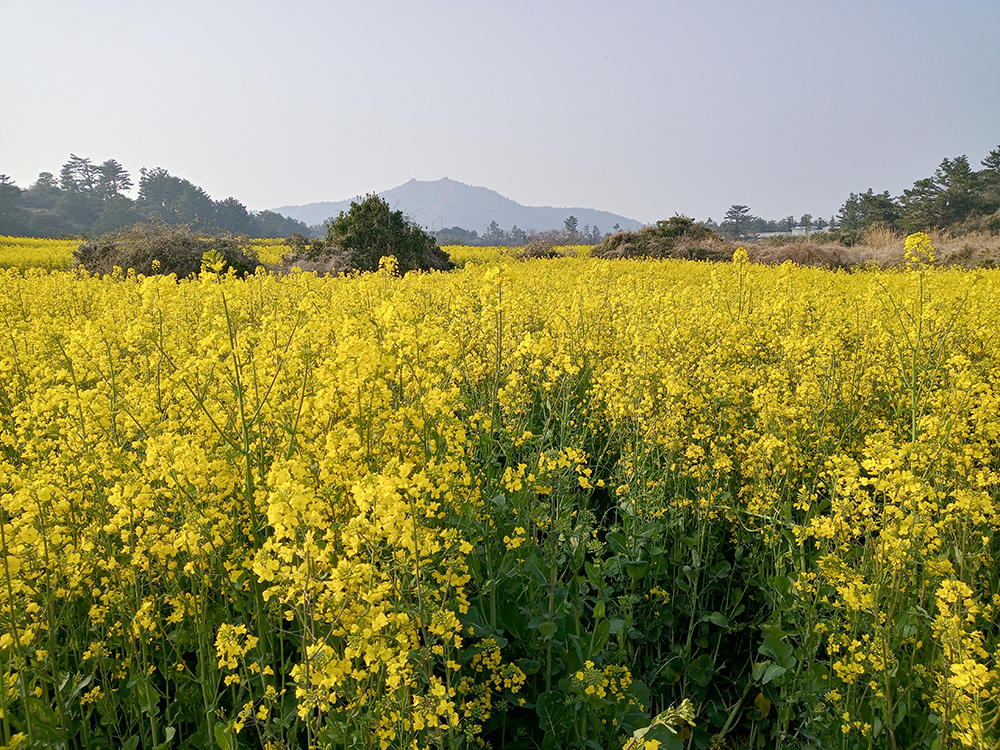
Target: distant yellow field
x,y
32,252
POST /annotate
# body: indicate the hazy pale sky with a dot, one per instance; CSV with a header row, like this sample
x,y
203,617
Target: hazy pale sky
x,y
642,108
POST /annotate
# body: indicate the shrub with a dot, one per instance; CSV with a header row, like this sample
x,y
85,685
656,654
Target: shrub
x,y
370,230
676,237
315,256
158,248
539,248
804,253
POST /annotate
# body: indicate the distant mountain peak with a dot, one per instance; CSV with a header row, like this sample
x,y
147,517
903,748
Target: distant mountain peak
x,y
443,203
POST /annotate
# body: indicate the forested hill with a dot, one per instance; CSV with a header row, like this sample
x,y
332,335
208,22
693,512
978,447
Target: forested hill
x,y
448,203
89,199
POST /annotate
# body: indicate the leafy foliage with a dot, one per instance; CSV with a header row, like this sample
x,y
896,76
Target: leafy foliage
x,y
955,197
864,210
89,198
370,230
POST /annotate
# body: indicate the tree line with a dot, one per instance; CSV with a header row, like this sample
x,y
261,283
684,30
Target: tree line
x,y
494,236
90,199
956,198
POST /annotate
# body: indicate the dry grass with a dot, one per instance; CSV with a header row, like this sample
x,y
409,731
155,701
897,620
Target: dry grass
x,y
880,247
971,250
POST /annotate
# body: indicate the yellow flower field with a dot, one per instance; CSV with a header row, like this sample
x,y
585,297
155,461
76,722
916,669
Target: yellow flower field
x,y
30,252
526,504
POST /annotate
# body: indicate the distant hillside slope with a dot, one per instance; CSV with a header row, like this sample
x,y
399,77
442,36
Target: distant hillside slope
x,y
446,203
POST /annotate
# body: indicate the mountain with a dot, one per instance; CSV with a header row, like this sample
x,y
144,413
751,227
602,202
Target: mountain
x,y
447,203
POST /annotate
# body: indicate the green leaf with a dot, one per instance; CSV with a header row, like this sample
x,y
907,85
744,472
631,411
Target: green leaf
x,y
773,671
528,666
602,631
702,669
552,714
168,740
617,542
548,629
594,574
717,618
224,737
900,713
637,569
777,649
599,609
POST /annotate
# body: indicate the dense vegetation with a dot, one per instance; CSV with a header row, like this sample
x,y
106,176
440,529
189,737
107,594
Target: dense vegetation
x,y
526,504
359,238
90,199
955,198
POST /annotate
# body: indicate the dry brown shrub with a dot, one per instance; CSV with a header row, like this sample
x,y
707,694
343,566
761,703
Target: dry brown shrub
x,y
714,248
538,248
155,247
333,262
971,250
818,255
677,238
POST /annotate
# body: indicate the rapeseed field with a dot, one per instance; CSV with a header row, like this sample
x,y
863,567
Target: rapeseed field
x,y
560,503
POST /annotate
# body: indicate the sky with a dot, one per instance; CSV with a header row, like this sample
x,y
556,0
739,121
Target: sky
x,y
644,108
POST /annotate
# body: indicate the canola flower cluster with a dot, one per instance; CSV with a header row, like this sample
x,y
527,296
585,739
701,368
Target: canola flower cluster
x,y
374,511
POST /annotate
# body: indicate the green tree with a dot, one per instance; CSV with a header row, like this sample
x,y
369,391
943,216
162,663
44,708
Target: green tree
x,y
571,224
272,224
232,216
861,210
494,235
518,236
13,217
989,181
43,192
112,180
116,212
806,221
195,206
371,230
737,222
159,192
78,175
940,201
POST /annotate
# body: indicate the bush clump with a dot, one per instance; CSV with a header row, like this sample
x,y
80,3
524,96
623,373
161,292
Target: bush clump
x,y
676,237
370,230
156,247
537,249
315,256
